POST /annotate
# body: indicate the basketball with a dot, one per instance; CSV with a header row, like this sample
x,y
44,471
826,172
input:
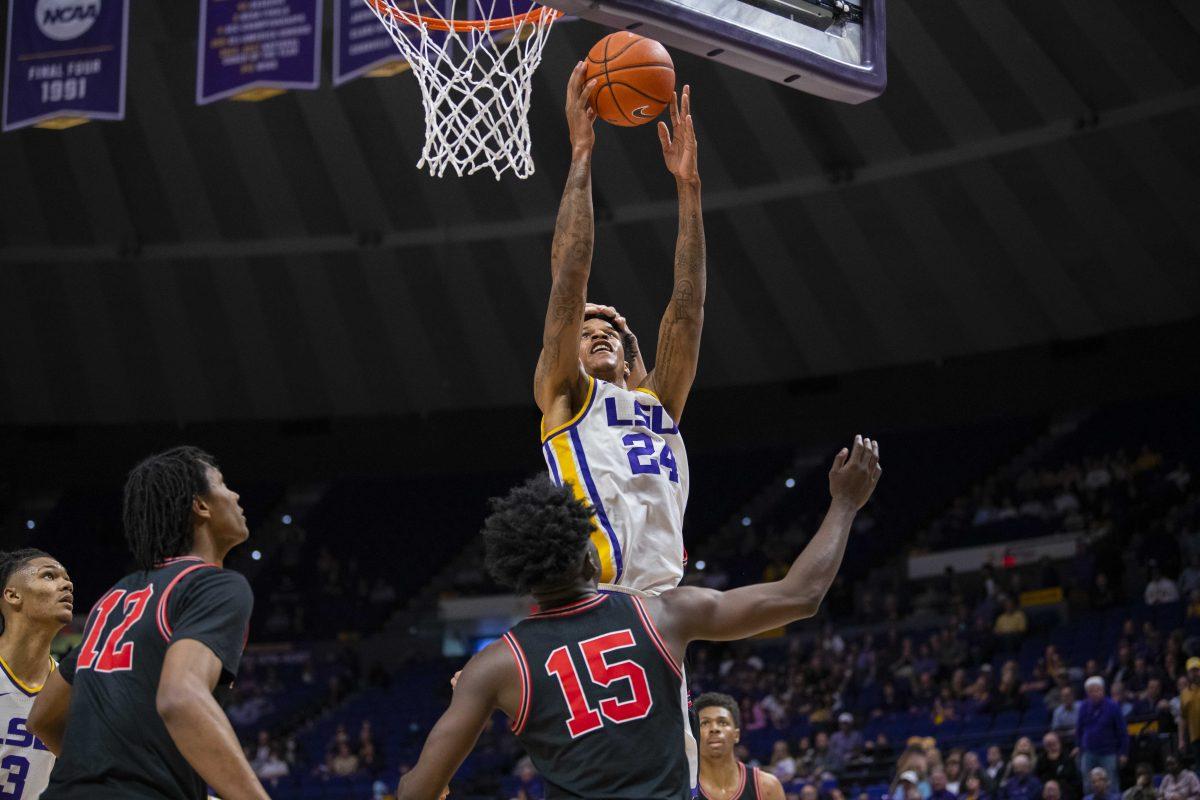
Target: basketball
x,y
635,78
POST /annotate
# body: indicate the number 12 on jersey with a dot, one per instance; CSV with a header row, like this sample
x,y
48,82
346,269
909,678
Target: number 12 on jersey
x,y
583,718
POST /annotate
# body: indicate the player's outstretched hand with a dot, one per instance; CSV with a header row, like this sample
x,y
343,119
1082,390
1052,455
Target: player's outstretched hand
x,y
679,141
454,680
855,472
580,114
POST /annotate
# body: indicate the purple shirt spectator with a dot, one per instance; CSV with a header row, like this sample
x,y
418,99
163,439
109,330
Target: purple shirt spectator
x,y
1100,728
1020,787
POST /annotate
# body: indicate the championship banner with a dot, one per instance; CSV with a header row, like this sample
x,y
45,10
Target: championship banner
x,y
64,62
361,45
255,49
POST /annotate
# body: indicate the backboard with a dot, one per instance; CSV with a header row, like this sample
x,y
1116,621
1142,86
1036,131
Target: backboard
x,y
831,48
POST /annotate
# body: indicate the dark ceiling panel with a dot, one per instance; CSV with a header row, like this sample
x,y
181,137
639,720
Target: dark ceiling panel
x,y
264,269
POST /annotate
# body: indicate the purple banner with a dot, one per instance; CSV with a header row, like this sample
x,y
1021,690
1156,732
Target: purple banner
x,y
256,48
361,44
64,62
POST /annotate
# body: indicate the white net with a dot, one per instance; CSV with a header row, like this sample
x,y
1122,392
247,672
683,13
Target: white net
x,y
475,73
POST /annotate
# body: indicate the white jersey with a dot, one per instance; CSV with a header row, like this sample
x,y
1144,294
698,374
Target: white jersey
x,y
25,762
623,454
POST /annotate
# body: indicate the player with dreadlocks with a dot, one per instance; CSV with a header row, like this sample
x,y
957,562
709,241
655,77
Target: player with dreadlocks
x,y
591,681
139,691
37,602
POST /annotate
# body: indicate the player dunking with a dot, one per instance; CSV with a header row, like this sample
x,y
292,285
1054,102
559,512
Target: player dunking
x,y
722,776
37,602
591,681
138,692
609,429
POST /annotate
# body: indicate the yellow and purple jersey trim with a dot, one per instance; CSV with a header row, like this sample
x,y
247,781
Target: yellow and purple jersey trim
x,y
565,456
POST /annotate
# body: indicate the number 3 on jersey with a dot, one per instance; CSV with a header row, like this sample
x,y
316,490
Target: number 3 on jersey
x,y
584,718
114,657
642,460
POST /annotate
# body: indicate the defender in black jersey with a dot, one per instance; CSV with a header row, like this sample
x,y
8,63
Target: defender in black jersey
x,y
131,713
722,776
591,681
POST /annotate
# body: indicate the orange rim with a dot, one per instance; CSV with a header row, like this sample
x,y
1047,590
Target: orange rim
x,y
537,16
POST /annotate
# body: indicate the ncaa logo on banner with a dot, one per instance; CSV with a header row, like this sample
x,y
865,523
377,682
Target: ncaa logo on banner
x,y
63,20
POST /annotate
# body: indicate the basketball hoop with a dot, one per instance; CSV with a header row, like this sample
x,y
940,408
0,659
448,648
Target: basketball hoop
x,y
476,77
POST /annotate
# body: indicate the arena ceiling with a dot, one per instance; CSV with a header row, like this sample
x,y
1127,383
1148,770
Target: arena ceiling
x,y
1030,175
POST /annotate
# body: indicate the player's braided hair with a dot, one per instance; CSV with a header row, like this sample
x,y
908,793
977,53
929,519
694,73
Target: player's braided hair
x,y
536,535
158,503
628,341
12,561
710,699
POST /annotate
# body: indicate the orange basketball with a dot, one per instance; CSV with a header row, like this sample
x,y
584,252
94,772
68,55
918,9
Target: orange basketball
x,y
635,78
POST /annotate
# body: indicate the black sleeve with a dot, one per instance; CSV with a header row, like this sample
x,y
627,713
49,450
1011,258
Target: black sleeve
x,y
66,667
213,607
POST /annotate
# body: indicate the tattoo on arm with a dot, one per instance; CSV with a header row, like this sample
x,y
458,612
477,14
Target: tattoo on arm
x,y
570,265
679,333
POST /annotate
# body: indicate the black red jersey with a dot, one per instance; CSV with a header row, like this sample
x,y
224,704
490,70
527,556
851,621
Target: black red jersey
x,y
600,702
116,744
747,788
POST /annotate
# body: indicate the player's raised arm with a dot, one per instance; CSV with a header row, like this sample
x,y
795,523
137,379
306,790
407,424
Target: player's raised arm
x,y
689,613
479,690
559,382
678,350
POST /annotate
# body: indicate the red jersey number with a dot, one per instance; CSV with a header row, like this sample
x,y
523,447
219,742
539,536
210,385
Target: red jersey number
x,y
115,656
584,718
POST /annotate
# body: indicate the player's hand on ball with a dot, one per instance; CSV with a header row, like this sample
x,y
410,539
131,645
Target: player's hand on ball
x,y
679,141
855,472
454,680
580,114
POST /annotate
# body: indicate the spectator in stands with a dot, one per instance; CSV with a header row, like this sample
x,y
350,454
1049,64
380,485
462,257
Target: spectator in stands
x,y
1160,589
1057,766
1051,791
272,768
1100,785
1100,734
822,758
845,742
530,783
1178,783
972,789
1011,625
937,786
783,765
953,767
1189,579
993,773
343,763
1021,784
1121,698
1143,787
1067,712
905,786
1189,707
263,748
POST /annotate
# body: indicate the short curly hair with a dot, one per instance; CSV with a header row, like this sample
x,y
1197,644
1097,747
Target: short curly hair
x,y
536,535
718,700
